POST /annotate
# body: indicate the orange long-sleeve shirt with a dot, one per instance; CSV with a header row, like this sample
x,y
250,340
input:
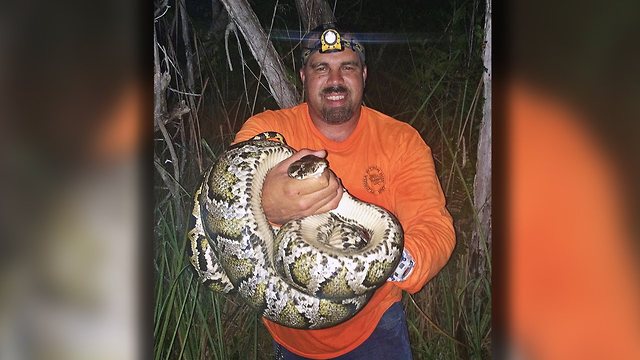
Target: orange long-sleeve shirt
x,y
384,162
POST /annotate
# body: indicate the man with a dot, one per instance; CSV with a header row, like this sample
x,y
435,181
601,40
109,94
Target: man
x,y
377,159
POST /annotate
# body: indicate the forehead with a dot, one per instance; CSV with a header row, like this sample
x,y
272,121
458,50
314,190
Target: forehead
x,y
347,55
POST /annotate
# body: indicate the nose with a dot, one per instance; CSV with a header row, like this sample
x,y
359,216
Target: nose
x,y
335,77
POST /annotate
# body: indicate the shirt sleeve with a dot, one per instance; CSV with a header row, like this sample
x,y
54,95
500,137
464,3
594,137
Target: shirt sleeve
x,y
252,127
420,207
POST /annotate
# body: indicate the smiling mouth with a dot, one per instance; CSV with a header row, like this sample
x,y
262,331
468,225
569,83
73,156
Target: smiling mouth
x,y
336,97
335,93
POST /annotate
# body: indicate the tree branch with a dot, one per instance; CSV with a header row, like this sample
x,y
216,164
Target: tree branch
x,y
263,51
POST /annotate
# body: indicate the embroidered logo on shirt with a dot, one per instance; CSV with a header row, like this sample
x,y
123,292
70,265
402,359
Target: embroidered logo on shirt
x,y
374,180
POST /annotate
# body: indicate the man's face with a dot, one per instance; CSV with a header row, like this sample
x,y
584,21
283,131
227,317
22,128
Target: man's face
x,y
334,84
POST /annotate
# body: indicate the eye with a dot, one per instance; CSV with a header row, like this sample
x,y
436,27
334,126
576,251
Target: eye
x,y
320,68
348,67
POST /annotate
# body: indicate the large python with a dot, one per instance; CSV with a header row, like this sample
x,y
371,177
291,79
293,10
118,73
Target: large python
x,y
317,271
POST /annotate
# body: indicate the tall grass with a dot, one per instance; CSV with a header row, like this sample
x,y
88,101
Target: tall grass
x,y
451,317
439,95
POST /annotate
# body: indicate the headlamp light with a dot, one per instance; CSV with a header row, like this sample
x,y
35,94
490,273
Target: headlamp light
x,y
327,39
330,41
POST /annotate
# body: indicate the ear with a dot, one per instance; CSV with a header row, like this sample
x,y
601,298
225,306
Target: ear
x,y
302,73
364,75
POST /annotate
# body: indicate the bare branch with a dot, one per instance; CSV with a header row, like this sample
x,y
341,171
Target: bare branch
x,y
314,13
158,8
481,239
180,110
263,51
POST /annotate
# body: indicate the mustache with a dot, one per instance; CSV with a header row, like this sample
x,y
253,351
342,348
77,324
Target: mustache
x,y
334,89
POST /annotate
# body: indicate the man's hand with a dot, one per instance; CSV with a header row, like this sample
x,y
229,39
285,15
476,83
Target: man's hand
x,y
284,198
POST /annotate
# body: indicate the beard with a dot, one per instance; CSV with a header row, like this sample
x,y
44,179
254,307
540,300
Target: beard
x,y
337,115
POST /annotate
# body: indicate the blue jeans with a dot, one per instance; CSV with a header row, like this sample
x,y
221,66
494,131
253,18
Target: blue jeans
x,y
389,340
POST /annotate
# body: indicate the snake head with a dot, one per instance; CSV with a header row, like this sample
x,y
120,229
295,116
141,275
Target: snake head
x,y
309,166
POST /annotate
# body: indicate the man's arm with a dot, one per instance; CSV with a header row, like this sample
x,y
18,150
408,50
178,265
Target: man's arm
x,y
419,204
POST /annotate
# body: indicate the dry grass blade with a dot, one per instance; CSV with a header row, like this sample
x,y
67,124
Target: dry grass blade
x,y
432,323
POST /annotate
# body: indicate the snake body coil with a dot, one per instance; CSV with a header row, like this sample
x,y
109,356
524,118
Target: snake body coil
x,y
316,272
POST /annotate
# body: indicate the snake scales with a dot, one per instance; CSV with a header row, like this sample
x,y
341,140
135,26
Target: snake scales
x,y
317,271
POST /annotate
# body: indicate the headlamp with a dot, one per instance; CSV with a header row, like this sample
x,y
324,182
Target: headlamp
x,y
330,41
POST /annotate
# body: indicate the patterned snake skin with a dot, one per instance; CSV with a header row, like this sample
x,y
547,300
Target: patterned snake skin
x,y
311,273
